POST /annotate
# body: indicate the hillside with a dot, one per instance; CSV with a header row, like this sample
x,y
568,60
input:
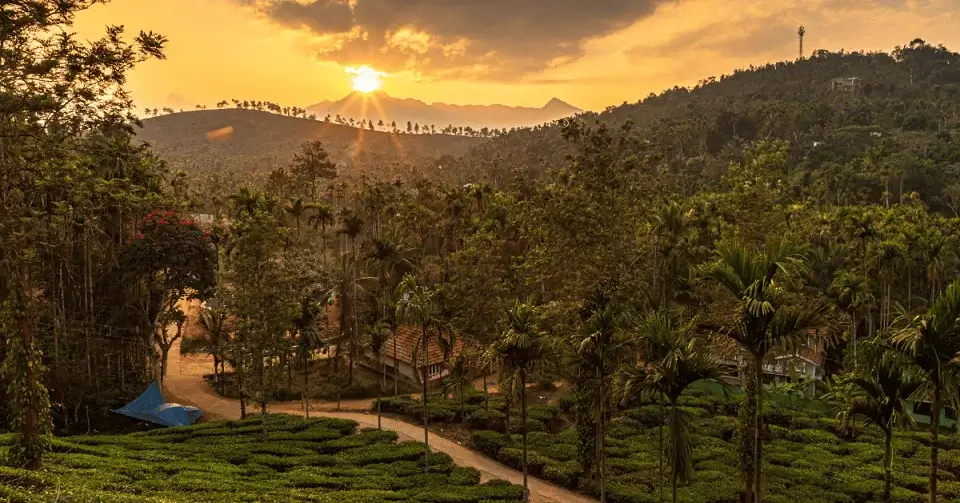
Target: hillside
x,y
901,113
261,141
380,106
319,460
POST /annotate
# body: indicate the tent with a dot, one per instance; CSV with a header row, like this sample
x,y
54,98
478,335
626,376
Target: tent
x,y
150,407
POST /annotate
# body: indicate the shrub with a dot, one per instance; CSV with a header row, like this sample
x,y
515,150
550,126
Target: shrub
x,y
532,425
489,442
484,419
544,413
565,474
648,415
566,403
461,476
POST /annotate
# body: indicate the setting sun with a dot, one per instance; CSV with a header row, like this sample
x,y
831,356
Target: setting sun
x,y
366,79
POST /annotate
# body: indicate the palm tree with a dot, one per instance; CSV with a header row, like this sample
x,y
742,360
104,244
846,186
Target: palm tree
x,y
850,293
296,208
932,342
321,217
881,397
597,348
308,339
351,225
213,321
521,347
765,318
379,333
675,359
419,305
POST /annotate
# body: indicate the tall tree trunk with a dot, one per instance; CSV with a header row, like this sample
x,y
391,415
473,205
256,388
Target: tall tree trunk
x,y
243,398
887,465
660,428
934,439
601,441
758,426
383,372
747,427
396,366
306,389
523,419
674,473
426,413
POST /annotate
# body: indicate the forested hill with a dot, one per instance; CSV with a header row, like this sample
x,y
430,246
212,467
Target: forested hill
x,y
242,141
895,124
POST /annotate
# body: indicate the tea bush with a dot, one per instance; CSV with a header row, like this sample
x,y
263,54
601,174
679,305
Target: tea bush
x,y
319,460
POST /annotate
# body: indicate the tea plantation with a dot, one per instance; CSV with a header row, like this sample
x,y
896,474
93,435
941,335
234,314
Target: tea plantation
x,y
315,460
805,460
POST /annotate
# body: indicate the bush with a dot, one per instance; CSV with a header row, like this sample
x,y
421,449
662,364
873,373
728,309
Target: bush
x,y
532,425
489,442
484,419
546,414
565,474
566,403
648,415
461,476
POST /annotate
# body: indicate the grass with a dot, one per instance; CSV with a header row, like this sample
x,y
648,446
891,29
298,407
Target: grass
x,y
315,460
804,458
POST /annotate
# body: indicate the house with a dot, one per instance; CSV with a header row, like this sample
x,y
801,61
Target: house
x,y
803,362
848,84
405,346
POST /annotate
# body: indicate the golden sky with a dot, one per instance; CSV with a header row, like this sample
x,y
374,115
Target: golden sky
x,y
517,52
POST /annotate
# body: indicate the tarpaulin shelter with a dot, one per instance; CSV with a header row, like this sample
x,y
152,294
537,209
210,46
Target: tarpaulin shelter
x,y
150,407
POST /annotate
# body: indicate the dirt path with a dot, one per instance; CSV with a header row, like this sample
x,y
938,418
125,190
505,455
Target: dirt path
x,y
185,384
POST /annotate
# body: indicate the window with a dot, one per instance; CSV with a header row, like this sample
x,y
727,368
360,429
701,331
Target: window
x,y
433,369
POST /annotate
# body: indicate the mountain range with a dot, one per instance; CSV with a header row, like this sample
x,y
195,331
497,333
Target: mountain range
x,y
379,106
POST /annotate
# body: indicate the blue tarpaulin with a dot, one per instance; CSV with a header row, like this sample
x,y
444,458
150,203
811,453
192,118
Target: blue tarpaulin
x,y
150,407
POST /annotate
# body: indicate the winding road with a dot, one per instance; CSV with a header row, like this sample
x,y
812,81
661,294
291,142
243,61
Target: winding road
x,y
184,384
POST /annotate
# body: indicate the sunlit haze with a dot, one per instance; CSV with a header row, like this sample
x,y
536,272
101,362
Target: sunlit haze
x,y
295,52
365,79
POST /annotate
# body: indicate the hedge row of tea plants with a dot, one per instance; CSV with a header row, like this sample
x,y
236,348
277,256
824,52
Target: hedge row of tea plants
x,y
318,460
805,458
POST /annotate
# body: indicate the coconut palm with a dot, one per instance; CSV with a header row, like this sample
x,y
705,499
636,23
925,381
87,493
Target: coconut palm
x,y
765,318
419,305
674,359
931,341
850,293
521,347
880,395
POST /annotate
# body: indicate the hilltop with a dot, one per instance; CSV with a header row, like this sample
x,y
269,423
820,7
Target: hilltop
x,y
839,111
380,106
241,140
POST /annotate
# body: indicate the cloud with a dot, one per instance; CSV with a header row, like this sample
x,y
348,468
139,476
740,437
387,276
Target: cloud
x,y
480,39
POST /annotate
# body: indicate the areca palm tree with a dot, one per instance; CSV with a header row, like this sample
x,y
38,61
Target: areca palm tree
x,y
881,397
521,347
931,341
296,208
308,339
765,318
321,217
419,305
379,332
851,294
674,359
597,347
351,225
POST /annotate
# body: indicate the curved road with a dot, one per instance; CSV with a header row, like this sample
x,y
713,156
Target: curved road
x,y
185,384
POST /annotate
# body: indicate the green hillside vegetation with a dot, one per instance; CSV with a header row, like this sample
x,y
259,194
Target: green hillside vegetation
x,y
262,141
896,130
319,460
809,455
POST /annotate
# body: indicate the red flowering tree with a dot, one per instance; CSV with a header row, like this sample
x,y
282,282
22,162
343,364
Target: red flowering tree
x,y
169,259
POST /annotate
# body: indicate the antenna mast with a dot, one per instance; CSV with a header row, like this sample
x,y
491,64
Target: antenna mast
x,y
800,33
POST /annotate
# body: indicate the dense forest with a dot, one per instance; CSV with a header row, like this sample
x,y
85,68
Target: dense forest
x,y
627,253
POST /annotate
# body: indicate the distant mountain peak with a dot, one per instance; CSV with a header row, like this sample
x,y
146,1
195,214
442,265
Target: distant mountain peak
x,y
378,106
558,104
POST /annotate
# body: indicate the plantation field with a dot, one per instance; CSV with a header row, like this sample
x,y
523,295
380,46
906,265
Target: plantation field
x,y
309,460
805,460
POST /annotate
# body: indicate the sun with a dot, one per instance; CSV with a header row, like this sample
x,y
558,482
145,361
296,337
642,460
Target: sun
x,y
366,79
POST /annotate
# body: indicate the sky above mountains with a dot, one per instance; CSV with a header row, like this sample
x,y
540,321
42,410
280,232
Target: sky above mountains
x,y
515,52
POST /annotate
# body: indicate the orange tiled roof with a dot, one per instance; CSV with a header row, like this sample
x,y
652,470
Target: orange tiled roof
x,y
408,336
